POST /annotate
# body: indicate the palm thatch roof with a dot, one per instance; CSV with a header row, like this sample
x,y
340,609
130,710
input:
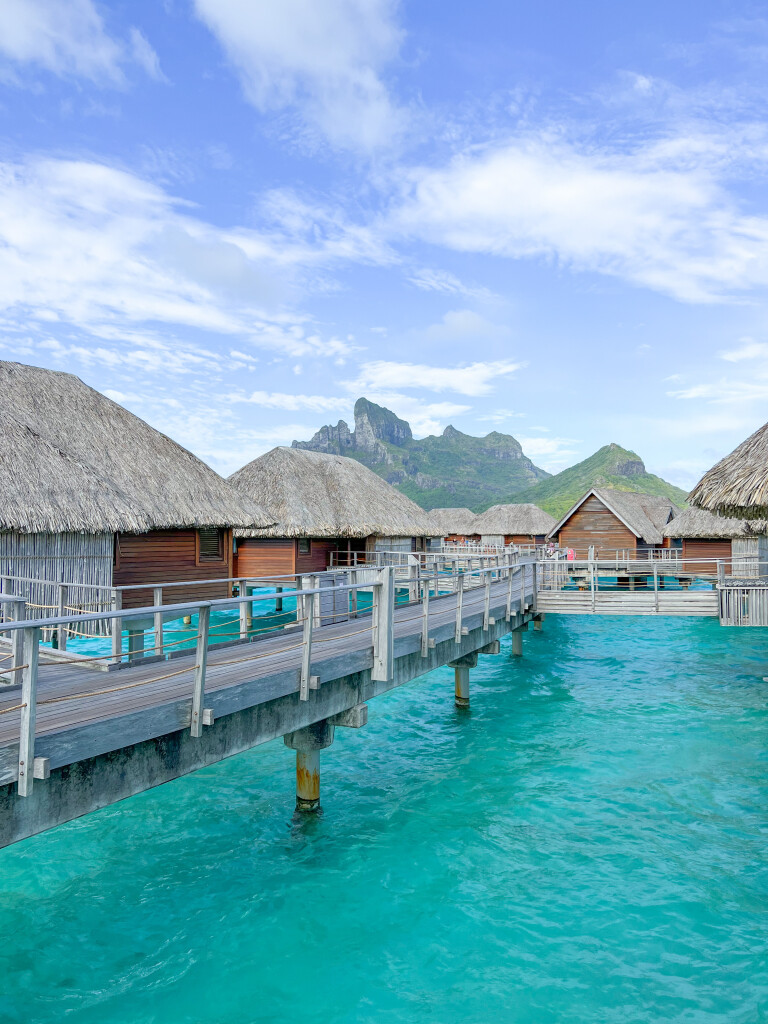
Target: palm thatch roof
x,y
698,524
738,484
448,521
313,494
645,515
509,520
72,460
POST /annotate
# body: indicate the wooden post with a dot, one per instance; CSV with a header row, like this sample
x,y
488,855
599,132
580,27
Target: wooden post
x,y
459,609
135,645
157,599
117,627
487,604
592,581
425,619
352,576
278,601
655,587
314,582
306,655
31,648
384,637
61,610
510,578
201,664
243,608
413,582
17,641
721,572
535,584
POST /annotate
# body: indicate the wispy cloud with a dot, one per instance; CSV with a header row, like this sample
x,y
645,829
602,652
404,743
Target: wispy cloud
x,y
68,37
322,60
293,403
473,379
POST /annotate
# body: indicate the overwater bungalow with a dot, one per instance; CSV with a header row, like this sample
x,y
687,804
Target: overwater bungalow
x,y
738,484
610,521
455,525
514,524
322,504
91,494
702,534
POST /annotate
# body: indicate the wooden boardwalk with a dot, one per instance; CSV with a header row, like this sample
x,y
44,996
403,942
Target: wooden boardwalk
x,y
615,602
107,724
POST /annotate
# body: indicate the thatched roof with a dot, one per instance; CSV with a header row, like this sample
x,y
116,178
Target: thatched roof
x,y
313,494
72,460
738,484
459,521
698,524
645,515
508,520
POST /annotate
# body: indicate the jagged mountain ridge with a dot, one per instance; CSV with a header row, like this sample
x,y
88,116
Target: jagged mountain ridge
x,y
449,470
610,466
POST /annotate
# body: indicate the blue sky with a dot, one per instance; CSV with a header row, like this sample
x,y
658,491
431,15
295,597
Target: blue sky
x,y
550,219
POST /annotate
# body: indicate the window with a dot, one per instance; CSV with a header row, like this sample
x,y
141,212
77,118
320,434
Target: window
x,y
304,546
211,545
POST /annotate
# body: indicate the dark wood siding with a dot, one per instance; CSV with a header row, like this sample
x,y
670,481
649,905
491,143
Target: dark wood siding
x,y
706,549
165,556
318,557
267,556
524,538
594,524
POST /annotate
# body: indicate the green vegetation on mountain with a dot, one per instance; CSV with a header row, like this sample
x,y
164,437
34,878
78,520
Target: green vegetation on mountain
x,y
611,466
449,470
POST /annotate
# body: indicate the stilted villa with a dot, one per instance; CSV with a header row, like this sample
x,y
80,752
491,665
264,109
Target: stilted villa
x,y
91,494
610,521
455,525
738,484
701,534
514,524
323,504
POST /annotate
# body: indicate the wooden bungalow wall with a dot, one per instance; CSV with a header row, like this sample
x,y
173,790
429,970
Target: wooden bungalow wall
x,y
280,556
706,549
593,524
169,556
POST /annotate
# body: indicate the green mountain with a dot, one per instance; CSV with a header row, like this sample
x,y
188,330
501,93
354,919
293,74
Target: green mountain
x,y
611,466
450,470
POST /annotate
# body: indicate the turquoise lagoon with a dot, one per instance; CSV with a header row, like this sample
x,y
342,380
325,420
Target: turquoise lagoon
x,y
588,844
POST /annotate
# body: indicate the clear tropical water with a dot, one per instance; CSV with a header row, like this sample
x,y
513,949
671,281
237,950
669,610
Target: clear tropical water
x,y
588,844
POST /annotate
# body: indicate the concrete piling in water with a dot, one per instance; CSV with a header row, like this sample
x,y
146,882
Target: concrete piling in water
x,y
309,742
537,623
461,669
517,642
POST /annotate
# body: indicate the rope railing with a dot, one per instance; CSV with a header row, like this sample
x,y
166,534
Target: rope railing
x,y
424,586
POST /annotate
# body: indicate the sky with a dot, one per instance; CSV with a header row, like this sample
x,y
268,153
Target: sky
x,y
235,217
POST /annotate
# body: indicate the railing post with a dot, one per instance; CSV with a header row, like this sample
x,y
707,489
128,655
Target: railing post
x,y
201,664
117,626
278,600
17,641
510,576
592,580
31,647
384,637
61,631
425,619
720,572
459,609
535,585
487,604
307,681
413,582
243,609
655,587
157,600
317,614
352,577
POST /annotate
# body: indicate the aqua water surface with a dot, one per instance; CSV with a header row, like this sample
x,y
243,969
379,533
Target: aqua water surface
x,y
588,844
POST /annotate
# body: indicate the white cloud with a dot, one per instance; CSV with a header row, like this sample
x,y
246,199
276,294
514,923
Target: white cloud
x,y
748,349
474,379
551,453
128,257
430,280
68,37
656,217
277,400
325,58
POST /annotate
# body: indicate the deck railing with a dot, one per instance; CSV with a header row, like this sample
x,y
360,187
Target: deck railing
x,y
378,620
